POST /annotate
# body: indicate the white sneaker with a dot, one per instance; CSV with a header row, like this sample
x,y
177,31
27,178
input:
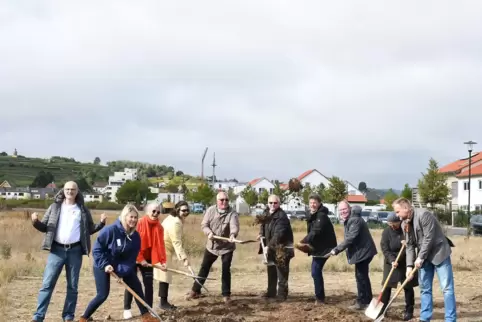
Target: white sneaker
x,y
127,314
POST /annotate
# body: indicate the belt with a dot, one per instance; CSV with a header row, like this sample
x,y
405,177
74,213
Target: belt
x,y
67,246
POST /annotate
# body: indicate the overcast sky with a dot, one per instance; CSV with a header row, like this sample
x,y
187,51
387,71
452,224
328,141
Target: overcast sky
x,y
354,89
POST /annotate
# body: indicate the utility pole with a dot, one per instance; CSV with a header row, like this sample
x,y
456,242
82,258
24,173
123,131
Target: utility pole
x,y
214,166
202,163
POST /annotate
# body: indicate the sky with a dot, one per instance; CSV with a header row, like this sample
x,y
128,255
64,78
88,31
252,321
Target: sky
x,y
364,91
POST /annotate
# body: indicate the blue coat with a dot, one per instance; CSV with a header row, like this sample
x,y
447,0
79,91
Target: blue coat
x,y
114,247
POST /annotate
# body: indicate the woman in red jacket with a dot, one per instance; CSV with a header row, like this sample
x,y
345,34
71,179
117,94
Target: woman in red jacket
x,y
152,252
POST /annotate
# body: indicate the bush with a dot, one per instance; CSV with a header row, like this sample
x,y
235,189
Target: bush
x,y
104,205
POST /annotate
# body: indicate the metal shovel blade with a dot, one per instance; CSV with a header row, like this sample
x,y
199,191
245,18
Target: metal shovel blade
x,y
374,309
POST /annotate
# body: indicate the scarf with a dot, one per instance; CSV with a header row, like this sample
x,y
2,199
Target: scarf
x,y
152,241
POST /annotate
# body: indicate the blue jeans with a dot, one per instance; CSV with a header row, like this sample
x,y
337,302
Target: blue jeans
x,y
446,280
317,274
102,284
59,257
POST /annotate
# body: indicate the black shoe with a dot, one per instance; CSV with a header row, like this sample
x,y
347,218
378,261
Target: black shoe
x,y
407,316
166,306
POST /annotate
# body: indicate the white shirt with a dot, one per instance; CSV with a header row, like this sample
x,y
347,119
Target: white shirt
x,y
68,227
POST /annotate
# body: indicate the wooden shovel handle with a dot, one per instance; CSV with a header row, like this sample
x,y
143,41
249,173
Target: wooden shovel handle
x,y
391,272
226,239
181,272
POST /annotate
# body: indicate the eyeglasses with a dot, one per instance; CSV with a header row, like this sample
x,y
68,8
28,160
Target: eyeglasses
x,y
273,202
223,200
156,212
184,210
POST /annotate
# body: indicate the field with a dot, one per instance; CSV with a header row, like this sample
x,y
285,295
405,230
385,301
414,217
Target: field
x,y
22,263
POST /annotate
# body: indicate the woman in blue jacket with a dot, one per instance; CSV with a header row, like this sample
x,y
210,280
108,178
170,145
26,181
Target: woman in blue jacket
x,y
115,250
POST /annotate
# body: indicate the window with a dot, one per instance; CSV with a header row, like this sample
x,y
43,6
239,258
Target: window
x,y
480,184
466,185
271,190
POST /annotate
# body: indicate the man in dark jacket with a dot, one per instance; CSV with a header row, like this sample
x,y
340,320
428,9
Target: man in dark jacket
x,y
277,234
360,250
67,225
322,239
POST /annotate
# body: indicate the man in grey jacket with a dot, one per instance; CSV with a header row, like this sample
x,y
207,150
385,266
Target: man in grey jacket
x,y
67,225
360,250
219,220
424,233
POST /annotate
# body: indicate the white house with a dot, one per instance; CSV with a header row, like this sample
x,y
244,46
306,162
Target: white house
x,y
110,192
261,184
15,193
475,190
224,185
99,186
314,178
173,197
293,204
119,178
93,197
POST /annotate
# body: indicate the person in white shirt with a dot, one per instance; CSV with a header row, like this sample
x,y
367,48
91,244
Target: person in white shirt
x,y
67,225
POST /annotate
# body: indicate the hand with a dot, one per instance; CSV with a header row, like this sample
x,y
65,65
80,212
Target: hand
x,y
418,262
185,262
103,217
144,263
258,237
210,236
34,216
163,267
407,274
394,264
109,269
333,253
231,238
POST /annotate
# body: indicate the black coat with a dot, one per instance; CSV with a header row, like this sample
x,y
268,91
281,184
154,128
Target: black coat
x,y
391,243
278,233
321,234
358,241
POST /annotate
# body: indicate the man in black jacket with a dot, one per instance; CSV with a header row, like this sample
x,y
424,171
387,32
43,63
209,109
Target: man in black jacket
x,y
360,251
277,233
322,239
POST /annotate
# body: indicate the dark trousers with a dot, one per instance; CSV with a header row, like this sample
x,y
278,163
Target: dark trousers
x,y
317,274
363,282
102,284
208,261
409,298
278,279
147,274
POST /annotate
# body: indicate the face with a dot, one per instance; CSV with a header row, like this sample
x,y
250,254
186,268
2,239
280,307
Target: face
x,y
222,201
394,225
402,212
183,212
314,205
131,220
153,211
344,210
273,204
70,190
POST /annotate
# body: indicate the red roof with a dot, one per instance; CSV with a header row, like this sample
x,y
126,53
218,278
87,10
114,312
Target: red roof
x,y
284,186
460,164
475,171
382,201
51,185
356,198
254,181
305,174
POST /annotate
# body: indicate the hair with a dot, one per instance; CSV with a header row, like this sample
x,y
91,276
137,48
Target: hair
x,y
275,196
153,204
175,212
315,196
345,202
122,217
405,203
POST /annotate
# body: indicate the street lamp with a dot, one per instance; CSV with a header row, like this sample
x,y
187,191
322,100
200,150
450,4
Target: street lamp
x,y
470,147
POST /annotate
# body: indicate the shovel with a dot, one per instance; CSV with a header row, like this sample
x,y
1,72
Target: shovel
x,y
396,294
195,279
376,304
135,295
183,273
236,240
265,255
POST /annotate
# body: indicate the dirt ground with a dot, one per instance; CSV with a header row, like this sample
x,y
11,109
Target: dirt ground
x,y
247,305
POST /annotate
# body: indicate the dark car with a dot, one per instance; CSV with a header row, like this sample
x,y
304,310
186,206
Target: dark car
x,y
382,216
298,214
365,215
476,223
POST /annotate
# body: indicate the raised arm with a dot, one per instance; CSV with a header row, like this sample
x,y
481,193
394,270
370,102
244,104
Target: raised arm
x,y
41,225
93,228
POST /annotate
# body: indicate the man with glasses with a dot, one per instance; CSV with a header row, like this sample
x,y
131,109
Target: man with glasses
x,y
67,225
152,251
277,234
219,220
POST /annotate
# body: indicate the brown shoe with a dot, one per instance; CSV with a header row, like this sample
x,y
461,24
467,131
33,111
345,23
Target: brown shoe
x,y
82,319
191,295
227,300
147,317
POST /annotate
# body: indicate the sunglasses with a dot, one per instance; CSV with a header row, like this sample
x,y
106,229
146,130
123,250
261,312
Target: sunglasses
x,y
185,210
223,200
273,202
156,212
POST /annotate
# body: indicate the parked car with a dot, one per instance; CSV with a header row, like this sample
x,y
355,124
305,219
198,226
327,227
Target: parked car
x,y
383,215
476,223
298,214
365,215
333,218
197,208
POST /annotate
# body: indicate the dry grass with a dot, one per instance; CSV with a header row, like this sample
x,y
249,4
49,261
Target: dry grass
x,y
21,254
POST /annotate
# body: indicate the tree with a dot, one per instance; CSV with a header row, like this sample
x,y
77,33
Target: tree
x,y
295,186
320,191
97,160
249,195
362,186
4,154
83,185
184,188
336,192
179,173
432,187
42,179
406,192
282,194
134,191
263,197
306,194
204,195
231,195
389,198
172,187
